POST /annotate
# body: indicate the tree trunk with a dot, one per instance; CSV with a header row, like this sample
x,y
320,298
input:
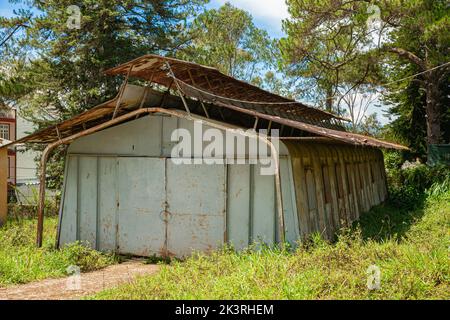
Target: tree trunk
x,y
433,110
329,99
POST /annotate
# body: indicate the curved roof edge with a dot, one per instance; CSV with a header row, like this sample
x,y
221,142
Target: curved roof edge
x,y
133,97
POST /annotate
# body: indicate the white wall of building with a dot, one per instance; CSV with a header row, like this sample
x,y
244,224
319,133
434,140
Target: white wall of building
x,y
26,166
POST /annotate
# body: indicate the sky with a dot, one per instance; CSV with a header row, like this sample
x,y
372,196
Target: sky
x,y
267,15
6,8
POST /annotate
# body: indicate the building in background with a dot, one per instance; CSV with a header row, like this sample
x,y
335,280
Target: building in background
x,y
22,169
3,180
26,164
8,131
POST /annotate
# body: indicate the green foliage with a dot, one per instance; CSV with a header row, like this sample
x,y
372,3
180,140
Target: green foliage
x,y
407,109
159,260
21,261
410,248
226,38
393,159
79,254
407,186
423,32
327,42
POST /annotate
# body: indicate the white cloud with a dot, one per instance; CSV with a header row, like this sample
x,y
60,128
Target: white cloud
x,y
271,9
267,13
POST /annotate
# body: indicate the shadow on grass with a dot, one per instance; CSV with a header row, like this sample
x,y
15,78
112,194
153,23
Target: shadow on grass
x,y
389,220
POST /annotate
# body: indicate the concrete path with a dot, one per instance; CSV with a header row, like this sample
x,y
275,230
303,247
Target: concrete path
x,y
73,288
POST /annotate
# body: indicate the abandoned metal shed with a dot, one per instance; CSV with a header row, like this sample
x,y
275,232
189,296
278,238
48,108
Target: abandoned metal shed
x,y
124,192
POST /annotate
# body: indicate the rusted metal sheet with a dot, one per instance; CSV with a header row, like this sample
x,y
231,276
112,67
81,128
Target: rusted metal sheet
x,y
334,184
133,98
159,69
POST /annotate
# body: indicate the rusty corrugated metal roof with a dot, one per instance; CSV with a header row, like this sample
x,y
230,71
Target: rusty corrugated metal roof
x,y
223,87
201,83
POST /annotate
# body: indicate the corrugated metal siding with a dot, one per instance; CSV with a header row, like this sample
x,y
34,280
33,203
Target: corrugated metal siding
x,y
292,230
127,196
334,184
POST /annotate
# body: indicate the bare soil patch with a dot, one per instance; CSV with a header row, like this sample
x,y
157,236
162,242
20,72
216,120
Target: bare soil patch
x,y
89,283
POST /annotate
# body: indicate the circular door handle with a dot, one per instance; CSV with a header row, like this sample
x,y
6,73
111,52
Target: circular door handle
x,y
165,215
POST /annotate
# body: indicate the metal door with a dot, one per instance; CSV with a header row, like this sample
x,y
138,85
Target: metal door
x,y
196,197
141,228
169,209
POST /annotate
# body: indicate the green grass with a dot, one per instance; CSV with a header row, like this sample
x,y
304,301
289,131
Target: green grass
x,y
411,248
21,261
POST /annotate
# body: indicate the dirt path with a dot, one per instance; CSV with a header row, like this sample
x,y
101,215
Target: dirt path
x,y
70,288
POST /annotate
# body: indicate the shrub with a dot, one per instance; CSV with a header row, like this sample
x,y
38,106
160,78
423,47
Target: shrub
x,y
79,254
407,186
393,160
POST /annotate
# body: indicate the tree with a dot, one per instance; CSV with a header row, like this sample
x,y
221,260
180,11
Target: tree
x,y
324,44
64,61
370,125
66,74
11,84
413,32
409,114
357,103
226,38
420,37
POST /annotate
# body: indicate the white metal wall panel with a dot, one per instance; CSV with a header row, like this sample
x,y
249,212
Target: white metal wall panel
x,y
120,185
68,232
264,211
87,202
107,203
137,138
238,206
169,125
292,231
